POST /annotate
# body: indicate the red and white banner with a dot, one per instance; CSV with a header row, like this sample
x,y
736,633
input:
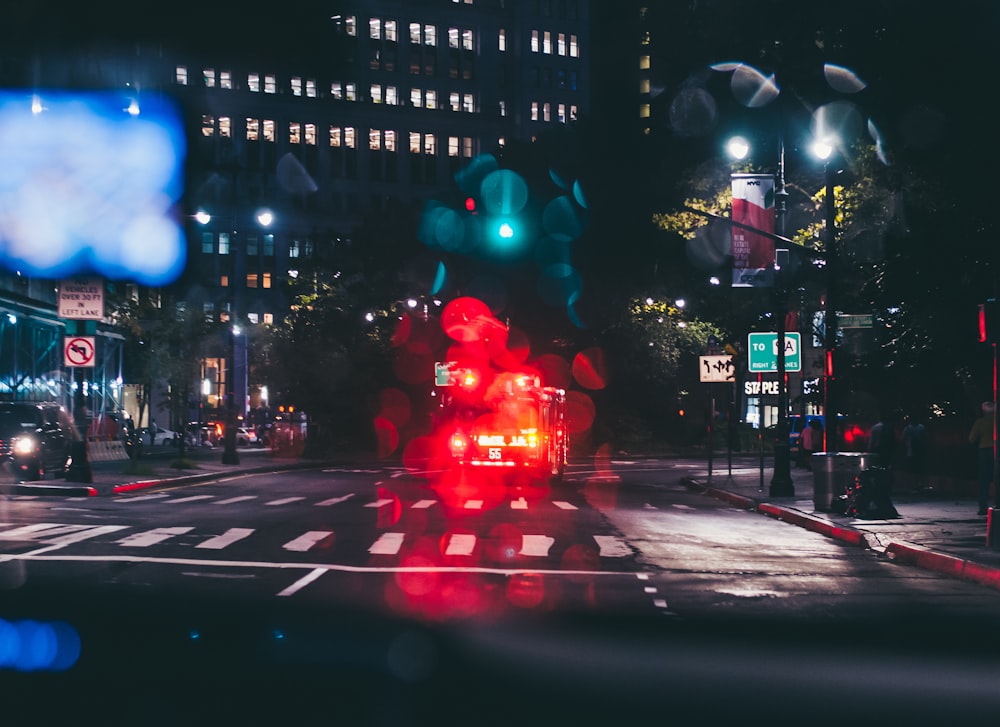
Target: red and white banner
x,y
753,253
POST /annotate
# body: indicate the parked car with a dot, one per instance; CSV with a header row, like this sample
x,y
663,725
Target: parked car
x,y
246,437
35,438
163,436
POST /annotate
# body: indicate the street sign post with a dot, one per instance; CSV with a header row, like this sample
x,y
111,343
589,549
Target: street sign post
x,y
762,352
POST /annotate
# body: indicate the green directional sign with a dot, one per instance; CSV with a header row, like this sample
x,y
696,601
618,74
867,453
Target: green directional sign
x,y
762,351
855,321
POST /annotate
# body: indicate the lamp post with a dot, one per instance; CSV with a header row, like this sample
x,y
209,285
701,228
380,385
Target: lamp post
x,y
781,480
823,148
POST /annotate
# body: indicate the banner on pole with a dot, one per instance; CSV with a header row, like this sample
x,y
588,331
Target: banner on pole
x,y
753,254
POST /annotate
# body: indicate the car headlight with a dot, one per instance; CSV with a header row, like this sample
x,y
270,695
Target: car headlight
x,y
25,445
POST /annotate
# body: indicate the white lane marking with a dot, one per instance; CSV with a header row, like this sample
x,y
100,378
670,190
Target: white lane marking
x,y
423,504
642,576
232,500
87,534
307,540
29,532
473,505
461,544
612,547
303,581
563,505
193,498
536,545
227,538
682,507
381,502
334,500
660,603
519,504
649,589
152,537
156,496
387,544
284,501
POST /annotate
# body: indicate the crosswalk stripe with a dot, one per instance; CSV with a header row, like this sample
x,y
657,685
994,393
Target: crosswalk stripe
x,y
335,500
307,540
284,501
232,500
563,505
387,544
379,503
190,499
152,537
423,504
519,504
536,545
155,496
87,534
29,531
612,547
227,538
461,544
473,504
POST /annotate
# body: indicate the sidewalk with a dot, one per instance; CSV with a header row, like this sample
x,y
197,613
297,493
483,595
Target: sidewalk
x,y
936,531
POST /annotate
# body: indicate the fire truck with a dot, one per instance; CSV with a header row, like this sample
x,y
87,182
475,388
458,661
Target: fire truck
x,y
502,420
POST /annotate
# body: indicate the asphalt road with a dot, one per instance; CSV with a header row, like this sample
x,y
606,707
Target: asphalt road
x,y
496,572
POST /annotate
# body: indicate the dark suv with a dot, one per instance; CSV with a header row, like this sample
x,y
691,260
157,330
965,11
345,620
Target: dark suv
x,y
35,438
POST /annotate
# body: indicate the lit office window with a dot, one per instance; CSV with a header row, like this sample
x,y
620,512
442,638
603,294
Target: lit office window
x,y
415,33
572,112
223,281
454,101
374,139
391,96
453,148
296,86
269,244
561,113
253,82
349,138
644,85
390,30
453,37
337,90
547,43
467,147
467,40
375,28
547,112
431,99
270,83
430,35
414,142
503,108
225,79
336,136
311,87
375,92
181,75
268,130
430,144
502,40
225,127
253,129
293,248
574,48
252,317
207,125
351,92
644,111
468,104
294,132
223,243
534,111
561,44
416,97
351,25
209,75
534,41
390,140
644,62
268,319
265,282
251,280
310,134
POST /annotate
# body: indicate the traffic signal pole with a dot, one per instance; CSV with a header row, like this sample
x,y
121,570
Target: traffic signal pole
x,y
781,481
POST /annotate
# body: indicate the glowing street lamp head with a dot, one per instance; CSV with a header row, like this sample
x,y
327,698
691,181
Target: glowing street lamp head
x,y
505,231
738,147
822,148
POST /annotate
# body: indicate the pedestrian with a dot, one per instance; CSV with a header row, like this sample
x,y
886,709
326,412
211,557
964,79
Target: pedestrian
x,y
981,435
153,431
913,448
882,441
810,441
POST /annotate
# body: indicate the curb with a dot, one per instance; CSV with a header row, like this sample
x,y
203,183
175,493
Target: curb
x,y
900,551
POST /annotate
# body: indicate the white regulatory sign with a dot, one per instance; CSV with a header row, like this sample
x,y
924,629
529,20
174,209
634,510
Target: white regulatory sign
x,y
716,368
79,350
81,299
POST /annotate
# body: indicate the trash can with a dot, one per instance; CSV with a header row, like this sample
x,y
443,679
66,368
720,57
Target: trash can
x,y
833,472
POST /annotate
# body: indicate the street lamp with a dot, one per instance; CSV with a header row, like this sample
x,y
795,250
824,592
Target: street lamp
x,y
781,481
823,148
